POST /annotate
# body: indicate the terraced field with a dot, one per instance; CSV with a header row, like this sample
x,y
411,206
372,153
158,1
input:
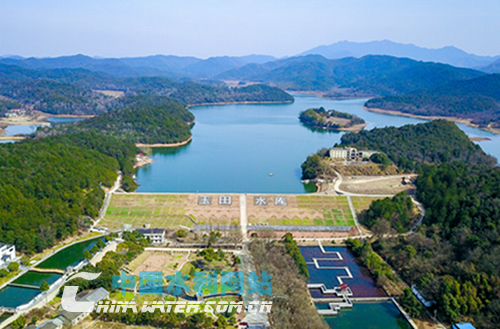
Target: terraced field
x,y
167,211
362,203
173,210
307,210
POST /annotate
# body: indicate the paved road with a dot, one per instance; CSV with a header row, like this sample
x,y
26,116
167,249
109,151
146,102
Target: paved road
x,y
107,199
97,258
349,194
243,217
166,249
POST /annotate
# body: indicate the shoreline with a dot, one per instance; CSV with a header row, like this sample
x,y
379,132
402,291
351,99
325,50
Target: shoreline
x,y
35,118
355,128
11,138
187,141
467,122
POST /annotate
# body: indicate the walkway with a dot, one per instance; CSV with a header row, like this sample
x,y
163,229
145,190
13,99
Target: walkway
x,y
355,216
243,217
107,199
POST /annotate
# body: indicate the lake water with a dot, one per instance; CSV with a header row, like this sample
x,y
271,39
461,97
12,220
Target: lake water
x,y
236,147
22,129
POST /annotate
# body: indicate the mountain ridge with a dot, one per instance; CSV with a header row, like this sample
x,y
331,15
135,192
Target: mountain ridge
x,y
446,55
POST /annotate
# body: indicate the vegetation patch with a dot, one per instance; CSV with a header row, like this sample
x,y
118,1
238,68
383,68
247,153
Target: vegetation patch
x,y
331,119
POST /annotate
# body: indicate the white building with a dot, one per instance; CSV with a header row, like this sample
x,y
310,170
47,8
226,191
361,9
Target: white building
x,y
7,253
156,235
350,153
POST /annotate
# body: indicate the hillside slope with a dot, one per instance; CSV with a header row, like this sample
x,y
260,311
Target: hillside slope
x,y
477,99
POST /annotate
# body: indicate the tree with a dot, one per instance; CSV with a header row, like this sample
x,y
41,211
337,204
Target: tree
x,y
19,323
87,255
100,244
181,233
3,273
410,303
44,286
94,249
13,266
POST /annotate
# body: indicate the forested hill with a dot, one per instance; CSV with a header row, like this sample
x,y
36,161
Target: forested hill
x,y
454,258
409,146
138,119
477,99
72,91
366,76
49,186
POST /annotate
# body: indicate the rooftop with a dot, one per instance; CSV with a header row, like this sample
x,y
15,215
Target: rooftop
x,y
96,295
151,230
465,325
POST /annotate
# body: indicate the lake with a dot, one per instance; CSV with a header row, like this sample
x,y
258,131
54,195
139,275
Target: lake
x,y
28,129
236,147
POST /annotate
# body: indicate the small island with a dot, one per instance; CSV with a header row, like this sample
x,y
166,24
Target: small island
x,y
331,120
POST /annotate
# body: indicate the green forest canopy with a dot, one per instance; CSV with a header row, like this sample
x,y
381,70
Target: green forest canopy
x,y
319,118
455,258
69,91
49,186
477,99
140,119
410,146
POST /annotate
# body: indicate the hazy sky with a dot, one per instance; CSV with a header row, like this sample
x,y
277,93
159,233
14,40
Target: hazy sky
x,y
204,28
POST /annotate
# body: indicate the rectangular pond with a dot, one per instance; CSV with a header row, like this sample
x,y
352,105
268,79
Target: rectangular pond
x,y
70,256
335,262
16,296
36,278
382,315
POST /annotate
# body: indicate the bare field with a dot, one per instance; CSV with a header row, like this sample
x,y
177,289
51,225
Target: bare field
x,y
158,261
376,184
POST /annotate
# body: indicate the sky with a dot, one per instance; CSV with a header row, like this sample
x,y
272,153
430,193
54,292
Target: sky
x,y
205,28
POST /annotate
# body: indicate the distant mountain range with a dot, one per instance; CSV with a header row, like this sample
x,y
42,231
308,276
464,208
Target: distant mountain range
x,y
405,77
493,67
176,67
159,65
446,55
367,76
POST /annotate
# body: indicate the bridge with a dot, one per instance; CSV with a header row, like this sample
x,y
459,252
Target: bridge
x,y
48,270
20,285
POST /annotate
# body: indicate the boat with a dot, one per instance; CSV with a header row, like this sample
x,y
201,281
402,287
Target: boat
x,y
271,174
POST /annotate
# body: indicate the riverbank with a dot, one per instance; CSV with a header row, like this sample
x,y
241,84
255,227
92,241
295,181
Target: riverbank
x,y
187,141
479,139
467,122
142,160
